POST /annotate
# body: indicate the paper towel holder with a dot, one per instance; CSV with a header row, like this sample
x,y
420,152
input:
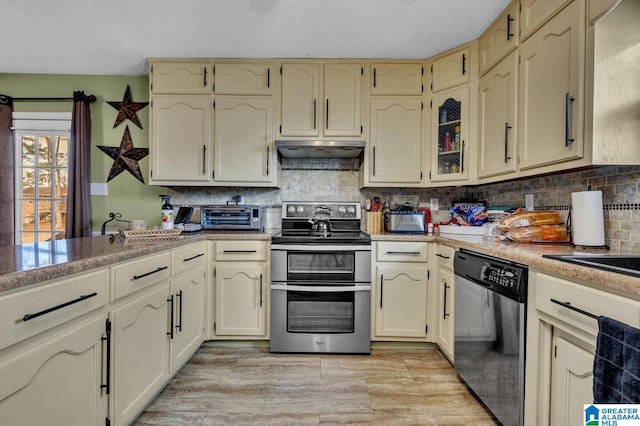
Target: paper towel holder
x,y
570,233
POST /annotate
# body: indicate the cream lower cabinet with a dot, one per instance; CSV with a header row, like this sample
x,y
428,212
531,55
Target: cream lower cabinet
x,y
445,293
561,345
57,380
141,330
400,296
241,282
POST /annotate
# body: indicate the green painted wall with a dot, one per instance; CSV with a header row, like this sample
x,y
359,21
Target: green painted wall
x,y
127,195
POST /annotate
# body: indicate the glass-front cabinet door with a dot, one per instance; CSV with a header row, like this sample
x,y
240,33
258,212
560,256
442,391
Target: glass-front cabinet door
x,y
450,127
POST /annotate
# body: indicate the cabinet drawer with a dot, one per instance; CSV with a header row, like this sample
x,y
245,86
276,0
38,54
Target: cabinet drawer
x,y
129,277
244,79
49,305
500,38
533,13
451,70
181,77
396,79
402,252
444,255
186,258
241,250
591,300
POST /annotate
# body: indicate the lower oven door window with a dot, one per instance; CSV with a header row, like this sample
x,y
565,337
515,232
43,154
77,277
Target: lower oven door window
x,y
327,312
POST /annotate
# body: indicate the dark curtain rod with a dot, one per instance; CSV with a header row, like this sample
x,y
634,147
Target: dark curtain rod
x,y
89,99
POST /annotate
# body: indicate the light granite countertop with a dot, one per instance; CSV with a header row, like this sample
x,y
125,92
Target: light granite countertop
x,y
531,255
33,263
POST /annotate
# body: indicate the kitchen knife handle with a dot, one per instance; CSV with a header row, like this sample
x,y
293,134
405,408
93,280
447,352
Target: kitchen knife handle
x,y
381,288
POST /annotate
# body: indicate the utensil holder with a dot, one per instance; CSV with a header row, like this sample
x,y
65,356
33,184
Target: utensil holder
x,y
373,222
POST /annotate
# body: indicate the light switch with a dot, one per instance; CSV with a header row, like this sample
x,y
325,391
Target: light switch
x,y
98,189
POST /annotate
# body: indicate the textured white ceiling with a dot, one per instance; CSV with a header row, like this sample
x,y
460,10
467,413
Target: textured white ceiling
x,y
116,36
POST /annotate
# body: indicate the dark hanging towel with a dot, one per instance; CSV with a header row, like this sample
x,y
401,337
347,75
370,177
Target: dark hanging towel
x,y
616,369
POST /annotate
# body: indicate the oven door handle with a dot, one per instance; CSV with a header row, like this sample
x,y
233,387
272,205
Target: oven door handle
x,y
320,289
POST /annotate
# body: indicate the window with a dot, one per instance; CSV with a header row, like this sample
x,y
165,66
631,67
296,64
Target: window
x,y
42,168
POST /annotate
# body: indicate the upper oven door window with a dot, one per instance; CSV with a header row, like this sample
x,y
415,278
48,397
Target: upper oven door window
x,y
318,265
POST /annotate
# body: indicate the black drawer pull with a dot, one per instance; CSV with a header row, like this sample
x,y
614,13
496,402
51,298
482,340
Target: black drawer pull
x,y
160,268
193,257
403,252
28,317
240,251
442,256
573,308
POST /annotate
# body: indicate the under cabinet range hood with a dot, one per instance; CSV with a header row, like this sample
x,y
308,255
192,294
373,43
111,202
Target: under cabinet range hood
x,y
320,148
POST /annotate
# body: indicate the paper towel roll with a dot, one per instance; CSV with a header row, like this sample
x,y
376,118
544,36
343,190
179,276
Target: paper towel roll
x,y
587,218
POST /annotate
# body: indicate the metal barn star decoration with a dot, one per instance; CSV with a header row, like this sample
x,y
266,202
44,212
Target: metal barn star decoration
x,y
125,157
127,109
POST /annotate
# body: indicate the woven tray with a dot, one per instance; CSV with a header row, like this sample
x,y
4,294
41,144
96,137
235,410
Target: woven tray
x,y
151,233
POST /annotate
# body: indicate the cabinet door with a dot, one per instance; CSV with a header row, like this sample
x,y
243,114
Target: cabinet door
x,y
241,290
396,79
56,381
500,38
401,300
451,70
189,299
450,133
395,155
445,312
533,13
140,352
244,79
571,381
181,139
550,95
243,140
343,100
181,78
300,100
498,103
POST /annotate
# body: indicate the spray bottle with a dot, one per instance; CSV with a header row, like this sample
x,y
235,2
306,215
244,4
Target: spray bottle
x,y
167,213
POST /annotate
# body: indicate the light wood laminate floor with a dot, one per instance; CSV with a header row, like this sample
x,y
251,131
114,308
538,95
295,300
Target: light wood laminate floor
x,y
248,385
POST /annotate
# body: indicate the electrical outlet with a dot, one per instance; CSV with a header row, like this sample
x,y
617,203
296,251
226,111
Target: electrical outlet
x,y
98,189
435,204
528,202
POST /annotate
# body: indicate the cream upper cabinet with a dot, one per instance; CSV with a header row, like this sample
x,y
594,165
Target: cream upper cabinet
x,y
395,146
497,122
450,135
500,38
320,101
244,78
396,79
244,141
534,13
300,99
180,78
180,139
343,100
550,94
450,70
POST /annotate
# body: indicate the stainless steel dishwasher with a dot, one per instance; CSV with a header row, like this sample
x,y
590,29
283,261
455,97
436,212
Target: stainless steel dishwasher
x,y
490,323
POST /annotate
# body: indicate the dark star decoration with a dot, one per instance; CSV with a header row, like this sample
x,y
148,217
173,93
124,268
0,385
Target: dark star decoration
x,y
128,109
126,157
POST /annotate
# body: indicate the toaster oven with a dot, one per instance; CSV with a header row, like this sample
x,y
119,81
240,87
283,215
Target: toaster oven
x,y
231,217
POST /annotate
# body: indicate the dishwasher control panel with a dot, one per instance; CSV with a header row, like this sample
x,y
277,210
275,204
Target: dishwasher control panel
x,y
499,275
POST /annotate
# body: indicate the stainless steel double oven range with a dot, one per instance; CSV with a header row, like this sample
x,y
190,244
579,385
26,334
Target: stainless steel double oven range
x,y
321,280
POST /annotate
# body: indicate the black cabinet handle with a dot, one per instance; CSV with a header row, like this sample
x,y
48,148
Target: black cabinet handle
x,y
381,288
204,159
464,64
506,142
170,332
193,257
261,290
179,326
509,33
160,268
568,109
444,309
240,251
573,308
268,157
462,158
205,77
107,339
28,317
403,252
268,78
442,256
374,160
315,110
326,121
374,77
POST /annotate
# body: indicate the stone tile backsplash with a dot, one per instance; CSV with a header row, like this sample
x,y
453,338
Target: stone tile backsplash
x,y
331,180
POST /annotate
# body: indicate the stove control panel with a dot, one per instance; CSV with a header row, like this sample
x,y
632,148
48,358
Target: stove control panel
x,y
320,210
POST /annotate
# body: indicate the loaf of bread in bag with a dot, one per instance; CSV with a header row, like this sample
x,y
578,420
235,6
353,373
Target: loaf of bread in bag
x,y
533,218
532,234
